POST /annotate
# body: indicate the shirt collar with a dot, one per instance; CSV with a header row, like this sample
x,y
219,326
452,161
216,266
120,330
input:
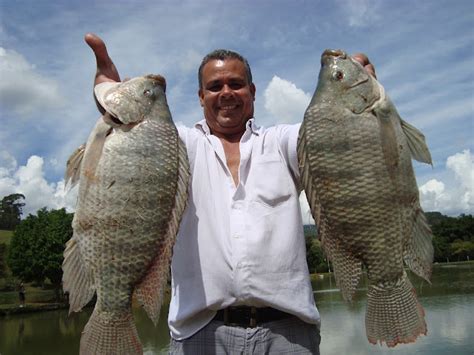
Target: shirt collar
x,y
249,126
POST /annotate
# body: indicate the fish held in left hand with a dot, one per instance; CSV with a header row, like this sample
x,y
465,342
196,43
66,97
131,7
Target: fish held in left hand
x,y
355,155
133,183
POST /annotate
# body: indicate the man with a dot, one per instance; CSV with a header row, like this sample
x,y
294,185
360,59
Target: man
x,y
240,281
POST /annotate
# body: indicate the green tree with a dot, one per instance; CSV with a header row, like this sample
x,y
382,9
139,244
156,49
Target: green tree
x,y
451,236
314,253
3,251
11,210
36,249
462,249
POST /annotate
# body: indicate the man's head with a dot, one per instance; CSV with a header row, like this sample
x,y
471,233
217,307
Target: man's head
x,y
226,92
223,54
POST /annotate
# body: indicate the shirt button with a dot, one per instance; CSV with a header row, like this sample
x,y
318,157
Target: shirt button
x,y
236,236
237,205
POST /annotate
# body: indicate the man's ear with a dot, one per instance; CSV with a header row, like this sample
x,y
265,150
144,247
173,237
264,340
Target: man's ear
x,y
201,97
253,90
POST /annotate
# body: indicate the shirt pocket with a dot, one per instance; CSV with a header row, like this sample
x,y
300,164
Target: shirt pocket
x,y
270,180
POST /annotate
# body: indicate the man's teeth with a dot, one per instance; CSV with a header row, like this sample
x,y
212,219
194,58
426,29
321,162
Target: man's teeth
x,y
228,107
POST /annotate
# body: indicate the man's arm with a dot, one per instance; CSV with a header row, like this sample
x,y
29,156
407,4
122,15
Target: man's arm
x,y
106,70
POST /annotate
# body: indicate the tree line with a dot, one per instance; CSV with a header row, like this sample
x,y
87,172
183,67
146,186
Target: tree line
x,y
453,240
11,209
35,253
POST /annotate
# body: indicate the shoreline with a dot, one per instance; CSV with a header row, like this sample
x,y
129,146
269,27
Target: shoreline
x,y
14,308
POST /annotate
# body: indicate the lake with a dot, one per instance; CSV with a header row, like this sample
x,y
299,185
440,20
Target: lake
x,y
448,303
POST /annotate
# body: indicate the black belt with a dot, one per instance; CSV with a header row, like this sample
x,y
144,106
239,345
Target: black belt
x,y
249,317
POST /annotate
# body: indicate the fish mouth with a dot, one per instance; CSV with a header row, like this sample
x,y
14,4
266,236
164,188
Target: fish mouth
x,y
115,120
330,54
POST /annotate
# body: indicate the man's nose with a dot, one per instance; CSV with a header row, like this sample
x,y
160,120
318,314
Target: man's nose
x,y
226,90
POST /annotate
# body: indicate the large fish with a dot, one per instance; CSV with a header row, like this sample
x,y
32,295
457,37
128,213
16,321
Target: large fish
x,y
355,154
133,178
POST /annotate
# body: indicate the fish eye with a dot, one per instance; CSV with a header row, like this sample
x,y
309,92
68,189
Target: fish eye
x,y
338,75
147,92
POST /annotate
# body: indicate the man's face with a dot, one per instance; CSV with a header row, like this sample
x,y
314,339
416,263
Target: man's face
x,y
226,96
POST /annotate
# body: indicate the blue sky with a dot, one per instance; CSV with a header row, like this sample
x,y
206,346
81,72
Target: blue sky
x,y
423,52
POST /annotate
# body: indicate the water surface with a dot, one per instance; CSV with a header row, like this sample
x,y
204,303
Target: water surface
x,y
448,303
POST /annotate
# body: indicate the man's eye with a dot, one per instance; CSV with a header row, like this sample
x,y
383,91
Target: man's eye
x,y
235,86
214,88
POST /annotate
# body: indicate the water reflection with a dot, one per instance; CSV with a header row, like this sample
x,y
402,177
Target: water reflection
x,y
448,302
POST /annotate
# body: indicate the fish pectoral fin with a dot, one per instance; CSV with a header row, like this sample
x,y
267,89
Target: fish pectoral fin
x,y
77,280
418,252
416,142
73,167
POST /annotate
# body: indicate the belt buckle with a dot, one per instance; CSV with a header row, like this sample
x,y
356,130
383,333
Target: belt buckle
x,y
252,318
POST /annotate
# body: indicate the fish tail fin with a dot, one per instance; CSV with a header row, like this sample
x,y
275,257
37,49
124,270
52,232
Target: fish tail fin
x,y
104,334
394,314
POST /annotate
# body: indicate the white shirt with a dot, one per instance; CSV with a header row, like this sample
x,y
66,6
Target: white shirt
x,y
240,245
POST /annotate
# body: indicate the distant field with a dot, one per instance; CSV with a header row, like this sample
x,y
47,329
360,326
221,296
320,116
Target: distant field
x,y
5,236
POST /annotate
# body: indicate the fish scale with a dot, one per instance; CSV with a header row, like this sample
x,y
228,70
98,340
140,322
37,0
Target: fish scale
x,y
355,163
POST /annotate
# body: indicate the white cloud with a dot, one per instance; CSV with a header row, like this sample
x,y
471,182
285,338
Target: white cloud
x,y
22,89
29,180
459,196
285,101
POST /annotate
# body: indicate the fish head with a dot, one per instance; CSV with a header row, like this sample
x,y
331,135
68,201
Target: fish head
x,y
130,102
343,81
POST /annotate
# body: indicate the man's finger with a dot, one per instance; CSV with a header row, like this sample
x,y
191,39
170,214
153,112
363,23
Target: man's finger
x,y
105,66
365,62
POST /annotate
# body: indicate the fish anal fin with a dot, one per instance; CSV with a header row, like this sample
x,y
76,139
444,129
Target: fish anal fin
x,y
346,266
418,251
416,142
149,292
77,280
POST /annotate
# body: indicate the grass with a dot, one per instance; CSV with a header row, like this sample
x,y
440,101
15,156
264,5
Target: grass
x,y
5,236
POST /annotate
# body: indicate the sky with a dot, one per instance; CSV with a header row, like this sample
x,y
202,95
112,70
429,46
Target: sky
x,y
423,52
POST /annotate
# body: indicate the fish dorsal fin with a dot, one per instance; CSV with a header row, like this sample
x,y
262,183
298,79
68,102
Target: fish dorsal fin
x,y
416,142
73,167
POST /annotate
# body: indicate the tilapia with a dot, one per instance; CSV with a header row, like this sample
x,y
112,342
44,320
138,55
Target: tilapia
x,y
133,180
355,154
